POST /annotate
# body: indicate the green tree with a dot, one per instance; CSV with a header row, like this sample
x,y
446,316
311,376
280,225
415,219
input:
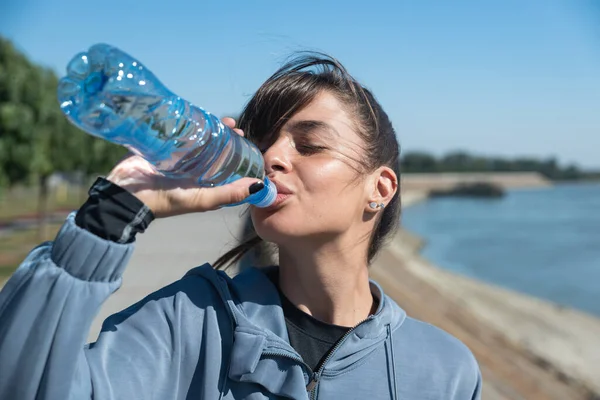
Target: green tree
x,y
419,162
36,139
458,161
550,169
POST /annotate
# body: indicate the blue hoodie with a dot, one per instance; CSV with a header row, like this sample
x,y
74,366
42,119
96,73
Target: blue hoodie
x,y
206,336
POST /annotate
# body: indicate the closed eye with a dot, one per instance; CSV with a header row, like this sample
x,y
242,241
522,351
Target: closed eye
x,y
308,149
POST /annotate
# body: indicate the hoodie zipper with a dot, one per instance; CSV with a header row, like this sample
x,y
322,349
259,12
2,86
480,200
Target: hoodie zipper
x,y
316,375
312,385
296,359
272,353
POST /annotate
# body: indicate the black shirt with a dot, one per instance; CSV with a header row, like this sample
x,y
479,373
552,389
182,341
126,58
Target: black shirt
x,y
113,213
311,338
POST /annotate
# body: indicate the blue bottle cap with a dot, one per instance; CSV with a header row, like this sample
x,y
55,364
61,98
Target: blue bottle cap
x,y
266,196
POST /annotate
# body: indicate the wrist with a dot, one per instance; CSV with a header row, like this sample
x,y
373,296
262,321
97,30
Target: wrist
x,y
113,213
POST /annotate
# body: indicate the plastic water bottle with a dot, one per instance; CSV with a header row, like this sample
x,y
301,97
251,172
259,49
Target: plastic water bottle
x,y
111,95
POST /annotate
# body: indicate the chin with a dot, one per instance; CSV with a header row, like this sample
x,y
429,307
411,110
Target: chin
x,y
273,230
277,227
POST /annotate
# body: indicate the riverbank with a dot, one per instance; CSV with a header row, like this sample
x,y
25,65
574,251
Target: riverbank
x,y
527,348
415,182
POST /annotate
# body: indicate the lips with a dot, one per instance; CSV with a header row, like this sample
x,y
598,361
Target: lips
x,y
283,193
281,188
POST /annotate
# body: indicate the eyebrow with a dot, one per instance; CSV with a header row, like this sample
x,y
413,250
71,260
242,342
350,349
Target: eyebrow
x,y
305,127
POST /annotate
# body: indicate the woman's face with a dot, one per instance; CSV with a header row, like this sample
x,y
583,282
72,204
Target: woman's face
x,y
313,163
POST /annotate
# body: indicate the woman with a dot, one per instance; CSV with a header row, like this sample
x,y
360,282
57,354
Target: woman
x,y
312,327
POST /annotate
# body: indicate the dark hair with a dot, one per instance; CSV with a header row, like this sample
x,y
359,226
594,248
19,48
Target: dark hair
x,y
293,87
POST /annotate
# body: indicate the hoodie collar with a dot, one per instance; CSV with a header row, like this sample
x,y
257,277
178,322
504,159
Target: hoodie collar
x,y
258,300
261,348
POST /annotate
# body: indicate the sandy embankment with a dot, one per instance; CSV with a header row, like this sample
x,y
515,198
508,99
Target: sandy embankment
x,y
447,180
527,348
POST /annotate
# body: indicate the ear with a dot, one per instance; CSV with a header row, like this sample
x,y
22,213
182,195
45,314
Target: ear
x,y
383,187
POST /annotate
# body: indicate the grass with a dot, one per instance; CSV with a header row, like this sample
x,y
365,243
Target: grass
x,y
6,271
19,202
23,201
15,247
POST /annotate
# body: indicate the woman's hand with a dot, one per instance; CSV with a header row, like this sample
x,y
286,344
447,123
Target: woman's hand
x,y
168,197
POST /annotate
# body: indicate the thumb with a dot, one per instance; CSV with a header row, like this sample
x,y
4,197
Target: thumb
x,y
232,193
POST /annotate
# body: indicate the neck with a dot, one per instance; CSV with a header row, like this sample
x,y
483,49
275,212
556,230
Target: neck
x,y
330,282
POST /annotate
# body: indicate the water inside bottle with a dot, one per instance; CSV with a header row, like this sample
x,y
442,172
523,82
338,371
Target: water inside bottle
x,y
111,95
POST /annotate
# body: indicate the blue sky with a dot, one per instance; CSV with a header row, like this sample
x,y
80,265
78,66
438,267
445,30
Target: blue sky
x,y
509,78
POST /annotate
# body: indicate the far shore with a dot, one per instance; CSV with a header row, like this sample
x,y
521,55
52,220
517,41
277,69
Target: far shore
x,y
447,180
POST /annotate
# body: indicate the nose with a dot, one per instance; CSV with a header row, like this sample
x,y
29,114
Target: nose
x,y
277,157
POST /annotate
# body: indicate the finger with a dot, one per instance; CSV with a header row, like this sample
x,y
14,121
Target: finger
x,y
239,131
232,193
230,122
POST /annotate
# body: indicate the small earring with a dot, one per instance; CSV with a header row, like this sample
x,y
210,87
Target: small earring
x,y
375,206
